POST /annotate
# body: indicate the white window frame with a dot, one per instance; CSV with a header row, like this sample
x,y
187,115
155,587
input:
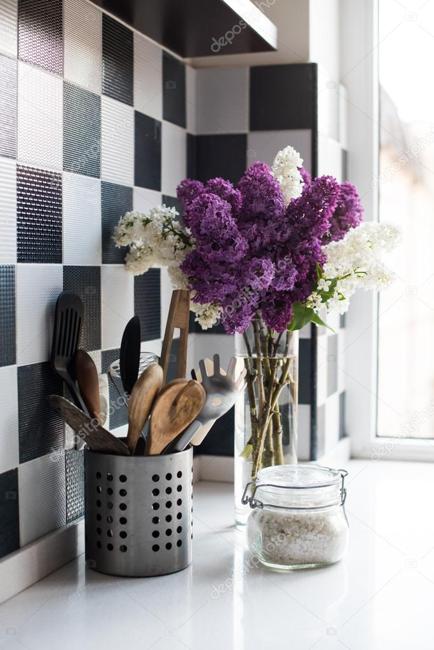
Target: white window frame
x,y
359,74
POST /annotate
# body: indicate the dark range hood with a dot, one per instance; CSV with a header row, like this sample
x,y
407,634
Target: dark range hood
x,y
198,27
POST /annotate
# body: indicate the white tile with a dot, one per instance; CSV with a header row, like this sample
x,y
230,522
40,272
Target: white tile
x,y
264,145
41,493
222,100
117,142
322,370
117,292
8,211
40,117
81,220
148,77
83,44
8,27
174,157
331,422
191,101
38,286
144,199
9,451
329,157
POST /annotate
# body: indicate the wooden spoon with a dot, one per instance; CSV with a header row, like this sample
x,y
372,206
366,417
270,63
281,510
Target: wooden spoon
x,y
175,408
140,403
87,378
93,434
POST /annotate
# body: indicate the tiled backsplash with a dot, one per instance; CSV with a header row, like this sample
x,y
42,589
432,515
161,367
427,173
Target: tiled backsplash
x,y
93,122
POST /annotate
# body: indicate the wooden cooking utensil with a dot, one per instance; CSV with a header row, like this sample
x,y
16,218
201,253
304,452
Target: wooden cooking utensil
x,y
93,434
87,379
175,409
179,317
140,403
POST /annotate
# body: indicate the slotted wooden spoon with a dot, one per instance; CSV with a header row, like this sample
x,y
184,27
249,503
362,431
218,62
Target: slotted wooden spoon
x,y
140,403
175,409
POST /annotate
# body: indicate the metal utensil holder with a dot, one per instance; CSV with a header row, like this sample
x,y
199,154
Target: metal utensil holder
x,y
138,513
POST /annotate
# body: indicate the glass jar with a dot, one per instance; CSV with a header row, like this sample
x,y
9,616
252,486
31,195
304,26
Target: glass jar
x,y
297,518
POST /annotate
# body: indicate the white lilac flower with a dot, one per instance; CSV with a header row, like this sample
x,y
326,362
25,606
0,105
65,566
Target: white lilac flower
x,y
139,259
207,314
286,171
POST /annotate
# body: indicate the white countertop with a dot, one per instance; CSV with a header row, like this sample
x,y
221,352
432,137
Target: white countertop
x,y
381,597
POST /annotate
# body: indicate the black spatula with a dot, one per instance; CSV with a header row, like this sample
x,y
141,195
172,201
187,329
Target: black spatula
x,y
129,356
66,338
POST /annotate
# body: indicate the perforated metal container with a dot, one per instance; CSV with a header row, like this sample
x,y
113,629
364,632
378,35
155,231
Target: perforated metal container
x,y
138,513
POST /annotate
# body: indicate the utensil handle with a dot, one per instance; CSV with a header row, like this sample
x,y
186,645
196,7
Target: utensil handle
x,y
179,314
184,439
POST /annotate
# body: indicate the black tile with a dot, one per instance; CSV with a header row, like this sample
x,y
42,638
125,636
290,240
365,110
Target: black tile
x,y
221,155
173,90
74,476
332,364
117,57
7,316
8,107
39,215
172,202
305,372
9,513
220,440
86,282
118,413
41,430
342,415
283,97
40,33
321,433
81,131
115,201
147,152
191,156
147,303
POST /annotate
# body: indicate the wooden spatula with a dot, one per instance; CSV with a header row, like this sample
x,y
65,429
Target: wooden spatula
x,y
175,408
87,379
140,403
93,434
179,317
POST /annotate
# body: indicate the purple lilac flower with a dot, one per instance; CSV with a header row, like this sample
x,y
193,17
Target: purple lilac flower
x,y
261,193
348,212
310,213
188,190
225,190
307,178
276,310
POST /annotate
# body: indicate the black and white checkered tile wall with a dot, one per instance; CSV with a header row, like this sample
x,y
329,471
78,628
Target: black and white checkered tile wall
x,y
96,120
92,123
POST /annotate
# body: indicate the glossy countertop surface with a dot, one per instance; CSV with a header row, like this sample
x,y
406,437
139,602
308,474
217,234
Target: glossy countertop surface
x,y
380,597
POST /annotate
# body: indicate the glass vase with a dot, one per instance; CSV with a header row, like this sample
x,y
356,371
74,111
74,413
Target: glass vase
x,y
266,416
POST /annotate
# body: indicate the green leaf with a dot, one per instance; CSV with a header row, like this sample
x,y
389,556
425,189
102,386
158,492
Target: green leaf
x,y
301,316
247,451
319,321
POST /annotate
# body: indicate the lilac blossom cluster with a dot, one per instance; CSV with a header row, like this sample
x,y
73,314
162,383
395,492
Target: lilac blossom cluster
x,y
252,251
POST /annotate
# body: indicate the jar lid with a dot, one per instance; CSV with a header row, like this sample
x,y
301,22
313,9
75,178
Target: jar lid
x,y
299,476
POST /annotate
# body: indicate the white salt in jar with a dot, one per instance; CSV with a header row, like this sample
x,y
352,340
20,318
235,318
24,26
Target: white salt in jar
x,y
297,517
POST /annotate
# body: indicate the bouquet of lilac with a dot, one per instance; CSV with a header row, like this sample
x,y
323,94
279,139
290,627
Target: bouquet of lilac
x,y
271,254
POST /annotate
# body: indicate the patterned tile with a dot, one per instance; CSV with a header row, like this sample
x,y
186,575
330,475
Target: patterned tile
x,y
74,476
117,55
214,113
148,77
174,102
117,290
9,513
272,92
81,219
263,145
172,202
174,154
83,44
115,201
220,440
147,152
39,215
147,303
119,412
85,281
304,372
41,486
8,27
8,211
81,131
40,429
40,33
40,99
9,457
38,287
117,142
7,315
8,107
144,199
220,155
